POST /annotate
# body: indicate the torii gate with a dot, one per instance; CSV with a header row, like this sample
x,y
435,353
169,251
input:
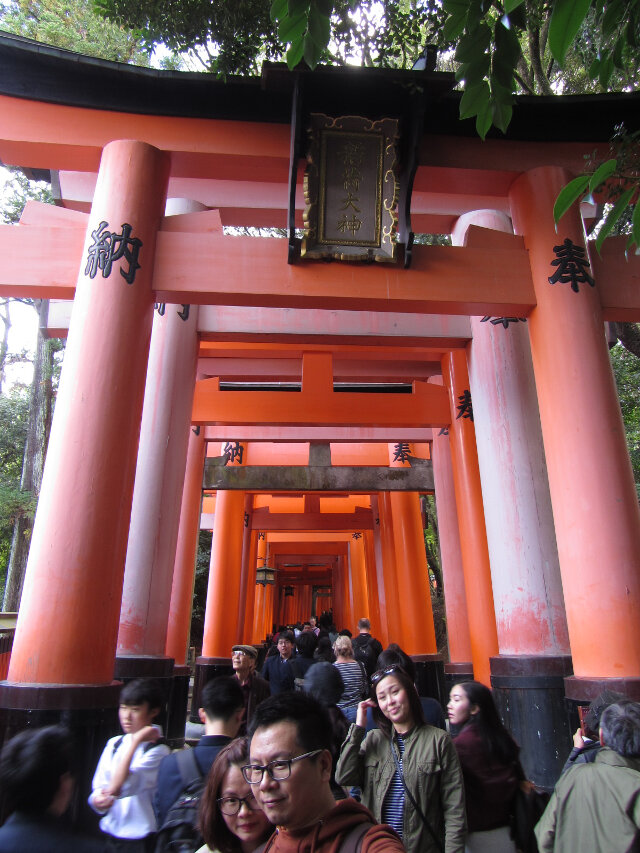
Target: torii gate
x,y
151,136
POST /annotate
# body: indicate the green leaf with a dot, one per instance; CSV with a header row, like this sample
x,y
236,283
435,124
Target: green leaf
x,y
510,5
474,99
613,216
606,70
279,10
484,120
311,51
566,19
635,224
473,44
296,7
618,53
594,69
501,113
601,174
294,54
631,29
292,29
452,28
455,7
569,195
612,16
474,72
325,7
319,28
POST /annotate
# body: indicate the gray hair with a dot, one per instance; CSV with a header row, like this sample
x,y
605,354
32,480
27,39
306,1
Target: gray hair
x,y
620,726
364,624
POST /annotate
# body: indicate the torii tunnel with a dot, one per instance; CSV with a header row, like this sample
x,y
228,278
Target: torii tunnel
x,y
298,408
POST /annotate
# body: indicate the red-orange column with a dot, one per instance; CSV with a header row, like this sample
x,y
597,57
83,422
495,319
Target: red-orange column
x,y
358,579
247,571
595,506
394,614
452,570
185,565
473,539
412,572
379,630
258,634
68,622
269,607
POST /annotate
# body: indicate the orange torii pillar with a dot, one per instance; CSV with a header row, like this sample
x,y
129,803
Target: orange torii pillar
x,y
259,605
414,588
221,626
525,574
248,578
387,581
157,496
179,624
65,640
595,505
473,536
379,631
460,667
358,579
269,607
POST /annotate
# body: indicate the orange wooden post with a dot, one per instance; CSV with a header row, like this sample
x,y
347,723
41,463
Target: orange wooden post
x,y
475,554
394,616
155,510
593,495
378,629
179,624
259,592
452,570
269,607
247,572
76,560
358,579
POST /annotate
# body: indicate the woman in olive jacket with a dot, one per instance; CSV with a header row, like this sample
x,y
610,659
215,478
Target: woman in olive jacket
x,y
405,746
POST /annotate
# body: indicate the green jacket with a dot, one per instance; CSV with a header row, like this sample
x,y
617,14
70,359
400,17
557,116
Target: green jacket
x,y
432,773
595,808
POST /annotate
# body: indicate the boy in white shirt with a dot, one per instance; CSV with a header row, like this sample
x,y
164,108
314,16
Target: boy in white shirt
x,y
125,779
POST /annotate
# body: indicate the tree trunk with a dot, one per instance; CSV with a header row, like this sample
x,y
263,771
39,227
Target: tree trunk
x,y
629,336
5,316
40,413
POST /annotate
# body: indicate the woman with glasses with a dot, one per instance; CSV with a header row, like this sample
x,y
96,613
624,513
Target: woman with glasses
x,y
490,766
408,771
230,819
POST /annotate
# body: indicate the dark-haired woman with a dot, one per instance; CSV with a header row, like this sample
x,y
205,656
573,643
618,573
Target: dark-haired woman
x,y
489,758
230,819
408,771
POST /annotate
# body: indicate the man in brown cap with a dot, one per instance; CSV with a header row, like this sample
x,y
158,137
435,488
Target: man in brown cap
x,y
254,688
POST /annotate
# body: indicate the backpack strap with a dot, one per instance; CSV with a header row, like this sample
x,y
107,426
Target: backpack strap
x,y
188,766
352,842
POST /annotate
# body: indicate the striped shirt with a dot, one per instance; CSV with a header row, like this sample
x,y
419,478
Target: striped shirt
x,y
393,805
355,683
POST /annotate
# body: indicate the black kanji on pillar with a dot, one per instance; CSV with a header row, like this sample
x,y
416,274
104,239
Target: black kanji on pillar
x,y
465,408
233,450
109,246
402,452
572,266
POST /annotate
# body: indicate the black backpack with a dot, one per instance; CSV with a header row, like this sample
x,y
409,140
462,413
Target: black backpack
x,y
365,653
179,833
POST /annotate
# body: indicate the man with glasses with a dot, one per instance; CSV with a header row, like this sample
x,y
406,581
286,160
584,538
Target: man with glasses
x,y
277,669
289,770
254,688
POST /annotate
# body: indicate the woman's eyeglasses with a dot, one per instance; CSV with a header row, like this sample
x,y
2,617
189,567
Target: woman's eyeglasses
x,y
232,805
382,673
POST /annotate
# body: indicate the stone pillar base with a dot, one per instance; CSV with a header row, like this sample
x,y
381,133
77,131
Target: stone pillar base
x,y
583,690
206,669
430,677
178,706
129,667
89,711
529,694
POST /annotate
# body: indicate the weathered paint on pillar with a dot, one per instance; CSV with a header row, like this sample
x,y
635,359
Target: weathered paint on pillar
x,y
525,572
246,617
595,506
160,470
473,536
68,622
358,580
179,624
248,570
452,571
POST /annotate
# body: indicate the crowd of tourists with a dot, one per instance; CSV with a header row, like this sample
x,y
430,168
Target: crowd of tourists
x,y
313,755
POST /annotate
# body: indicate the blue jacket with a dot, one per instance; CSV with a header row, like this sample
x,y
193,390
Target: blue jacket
x,y
44,834
170,784
279,673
